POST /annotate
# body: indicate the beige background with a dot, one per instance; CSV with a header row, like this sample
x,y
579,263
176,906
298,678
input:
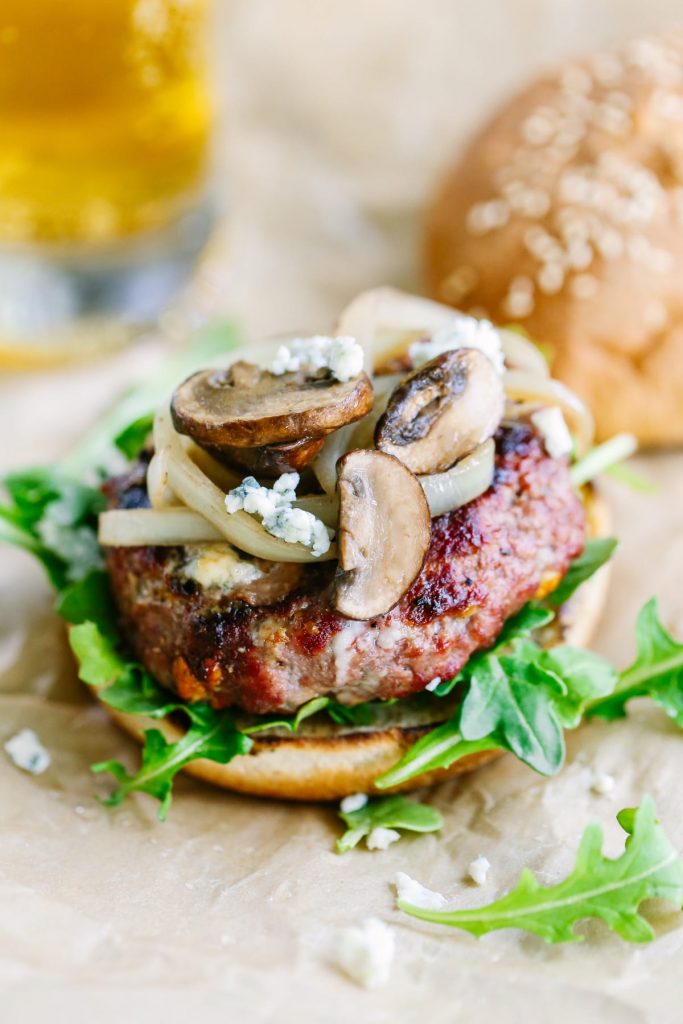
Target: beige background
x,y
339,117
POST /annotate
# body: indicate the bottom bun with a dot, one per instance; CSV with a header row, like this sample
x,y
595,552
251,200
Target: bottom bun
x,y
324,761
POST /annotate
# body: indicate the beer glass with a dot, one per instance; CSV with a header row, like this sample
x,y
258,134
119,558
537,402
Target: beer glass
x,y
104,126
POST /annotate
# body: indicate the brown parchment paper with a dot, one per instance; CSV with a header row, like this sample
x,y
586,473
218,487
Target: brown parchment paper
x,y
337,118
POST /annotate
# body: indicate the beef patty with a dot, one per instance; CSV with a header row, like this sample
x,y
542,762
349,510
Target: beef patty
x,y
273,642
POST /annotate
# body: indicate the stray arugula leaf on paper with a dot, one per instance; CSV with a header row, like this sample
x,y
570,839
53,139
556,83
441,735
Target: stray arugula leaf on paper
x,y
598,887
390,812
657,671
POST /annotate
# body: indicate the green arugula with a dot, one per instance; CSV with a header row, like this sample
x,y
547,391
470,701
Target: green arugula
x,y
598,887
212,735
596,553
389,812
127,687
55,519
132,438
603,457
519,697
657,672
630,478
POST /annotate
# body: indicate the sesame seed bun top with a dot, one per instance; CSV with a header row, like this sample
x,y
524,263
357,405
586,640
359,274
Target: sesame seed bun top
x,y
565,215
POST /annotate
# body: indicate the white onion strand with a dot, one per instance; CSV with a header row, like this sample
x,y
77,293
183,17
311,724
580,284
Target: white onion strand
x,y
463,482
199,493
136,527
526,387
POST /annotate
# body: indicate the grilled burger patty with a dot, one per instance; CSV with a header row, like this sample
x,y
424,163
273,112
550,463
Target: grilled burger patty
x,y
273,642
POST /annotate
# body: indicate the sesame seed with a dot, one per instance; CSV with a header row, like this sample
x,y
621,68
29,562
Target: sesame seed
x,y
485,217
610,243
519,301
537,129
607,68
655,316
550,278
575,79
583,286
579,255
459,283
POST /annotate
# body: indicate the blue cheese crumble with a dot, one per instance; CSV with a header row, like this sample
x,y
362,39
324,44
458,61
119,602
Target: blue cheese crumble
x,y
365,952
464,332
27,752
273,506
342,356
551,424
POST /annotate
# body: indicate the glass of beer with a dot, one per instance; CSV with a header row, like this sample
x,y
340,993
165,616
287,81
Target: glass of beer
x,y
104,126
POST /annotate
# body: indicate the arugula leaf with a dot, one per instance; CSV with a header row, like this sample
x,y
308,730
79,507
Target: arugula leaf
x,y
89,600
657,671
291,722
529,618
630,478
511,698
602,457
99,662
596,552
55,519
388,812
356,714
520,698
127,687
598,887
440,748
132,438
212,735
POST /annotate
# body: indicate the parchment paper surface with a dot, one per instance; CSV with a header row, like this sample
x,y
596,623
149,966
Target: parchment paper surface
x,y
337,119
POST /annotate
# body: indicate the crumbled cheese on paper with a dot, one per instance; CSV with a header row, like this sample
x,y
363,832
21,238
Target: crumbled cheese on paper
x,y
411,891
365,952
273,505
27,752
465,332
478,869
342,356
556,437
381,838
353,802
602,783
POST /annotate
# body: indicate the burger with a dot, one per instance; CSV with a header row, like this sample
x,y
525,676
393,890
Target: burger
x,y
350,563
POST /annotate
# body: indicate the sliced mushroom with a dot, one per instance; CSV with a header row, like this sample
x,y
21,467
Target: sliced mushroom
x,y
384,533
442,411
272,459
246,407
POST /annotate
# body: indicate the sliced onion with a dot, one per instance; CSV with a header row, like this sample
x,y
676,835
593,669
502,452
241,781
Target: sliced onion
x,y
526,387
217,472
201,494
355,435
385,320
463,482
134,527
522,354
159,490
325,463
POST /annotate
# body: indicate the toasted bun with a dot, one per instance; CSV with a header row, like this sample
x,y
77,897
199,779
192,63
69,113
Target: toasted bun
x,y
565,215
324,761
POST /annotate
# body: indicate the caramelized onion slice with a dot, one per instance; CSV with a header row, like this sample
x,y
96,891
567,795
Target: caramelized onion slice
x,y
138,527
198,492
462,483
526,387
